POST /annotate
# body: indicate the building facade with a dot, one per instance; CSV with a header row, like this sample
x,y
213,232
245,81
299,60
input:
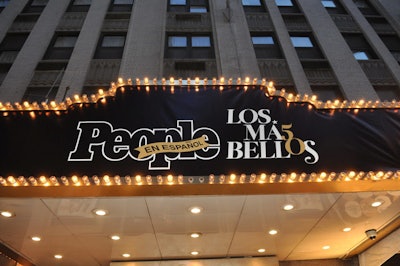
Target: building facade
x,y
334,49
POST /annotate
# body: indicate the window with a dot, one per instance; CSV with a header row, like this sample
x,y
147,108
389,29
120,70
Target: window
x,y
35,6
284,2
301,42
360,47
121,6
305,47
113,41
251,3
328,4
189,46
365,7
360,55
82,2
111,46
262,40
265,46
253,6
3,4
79,6
61,47
192,6
10,46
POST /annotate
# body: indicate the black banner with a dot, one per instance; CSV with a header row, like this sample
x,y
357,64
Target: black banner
x,y
197,132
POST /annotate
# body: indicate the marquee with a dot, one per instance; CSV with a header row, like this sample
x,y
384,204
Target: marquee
x,y
197,133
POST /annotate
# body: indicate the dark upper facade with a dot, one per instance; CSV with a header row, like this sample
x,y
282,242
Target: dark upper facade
x,y
335,49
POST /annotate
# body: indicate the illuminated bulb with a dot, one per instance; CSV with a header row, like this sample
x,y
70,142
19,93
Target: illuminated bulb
x,y
36,238
85,180
197,81
195,235
128,180
75,180
138,179
170,179
117,180
172,81
263,178
100,212
194,253
146,81
96,180
211,179
376,204
288,207
247,80
58,256
120,81
180,179
149,180
159,179
115,237
273,232
261,250
126,255
232,178
195,210
242,178
11,180
326,247
107,180
222,81
7,214
347,229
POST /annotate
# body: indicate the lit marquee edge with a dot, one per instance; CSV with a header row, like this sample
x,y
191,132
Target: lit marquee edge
x,y
194,84
220,84
138,180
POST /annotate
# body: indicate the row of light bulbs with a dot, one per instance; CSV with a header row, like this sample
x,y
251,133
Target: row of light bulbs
x,y
220,84
139,180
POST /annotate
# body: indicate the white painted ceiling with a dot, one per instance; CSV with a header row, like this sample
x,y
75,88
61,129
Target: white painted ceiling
x,y
158,227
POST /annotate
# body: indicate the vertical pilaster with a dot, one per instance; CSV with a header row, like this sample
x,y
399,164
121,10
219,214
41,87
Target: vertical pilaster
x,y
144,47
376,43
296,69
21,72
85,47
234,49
351,77
8,15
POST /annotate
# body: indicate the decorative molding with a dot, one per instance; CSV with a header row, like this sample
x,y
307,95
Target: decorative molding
x,y
193,22
377,72
71,21
276,70
102,71
259,22
345,23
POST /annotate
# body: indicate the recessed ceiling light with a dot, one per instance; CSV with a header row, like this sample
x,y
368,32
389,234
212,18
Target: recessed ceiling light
x,y
376,204
194,253
326,247
36,238
195,209
347,229
126,255
288,207
273,232
115,237
58,256
100,212
7,214
195,235
261,250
